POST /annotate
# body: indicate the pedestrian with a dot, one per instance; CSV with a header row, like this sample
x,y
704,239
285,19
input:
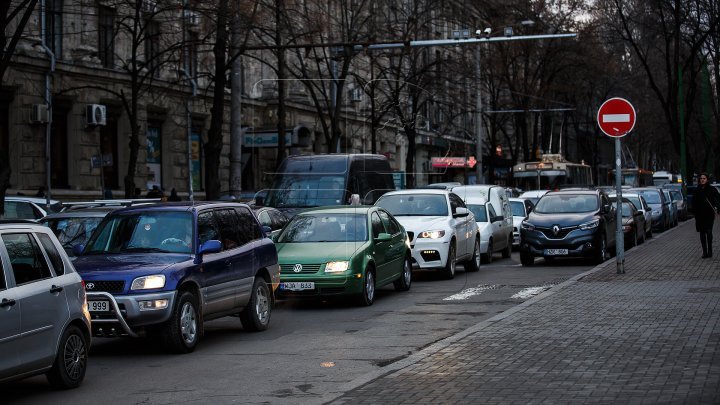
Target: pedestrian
x,y
108,195
174,195
41,192
154,192
706,204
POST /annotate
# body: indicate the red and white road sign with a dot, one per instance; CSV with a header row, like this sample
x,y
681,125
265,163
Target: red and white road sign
x,y
616,117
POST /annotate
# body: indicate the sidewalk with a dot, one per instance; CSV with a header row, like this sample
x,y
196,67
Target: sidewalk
x,y
651,335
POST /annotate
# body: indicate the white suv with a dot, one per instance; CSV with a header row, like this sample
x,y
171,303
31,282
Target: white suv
x,y
44,319
442,231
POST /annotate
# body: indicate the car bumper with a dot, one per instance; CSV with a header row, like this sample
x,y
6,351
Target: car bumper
x,y
516,237
578,243
429,253
335,285
125,317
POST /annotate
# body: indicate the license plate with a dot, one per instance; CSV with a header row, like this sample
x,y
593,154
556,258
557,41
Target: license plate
x,y
99,306
297,285
556,252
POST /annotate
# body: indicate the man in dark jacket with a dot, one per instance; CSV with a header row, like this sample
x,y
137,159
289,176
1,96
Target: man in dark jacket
x,y
706,204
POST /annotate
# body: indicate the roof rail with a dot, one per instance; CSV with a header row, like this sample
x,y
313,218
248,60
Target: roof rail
x,y
109,203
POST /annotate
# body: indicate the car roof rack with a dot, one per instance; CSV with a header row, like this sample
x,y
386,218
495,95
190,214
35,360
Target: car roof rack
x,y
18,221
109,203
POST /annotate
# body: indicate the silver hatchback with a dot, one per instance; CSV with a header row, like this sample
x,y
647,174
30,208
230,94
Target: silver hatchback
x,y
44,320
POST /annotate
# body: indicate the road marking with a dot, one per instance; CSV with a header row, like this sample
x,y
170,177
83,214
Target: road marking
x,y
530,292
616,117
469,292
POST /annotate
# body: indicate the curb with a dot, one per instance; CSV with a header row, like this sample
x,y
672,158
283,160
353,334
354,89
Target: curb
x,y
437,346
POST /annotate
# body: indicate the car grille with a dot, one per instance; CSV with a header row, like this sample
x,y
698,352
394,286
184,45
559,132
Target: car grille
x,y
411,235
306,269
560,235
113,286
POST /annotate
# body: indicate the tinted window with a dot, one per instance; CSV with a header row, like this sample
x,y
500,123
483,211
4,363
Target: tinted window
x,y
229,224
142,232
651,197
310,182
491,211
415,204
20,210
73,231
26,259
53,254
206,227
377,225
248,226
390,225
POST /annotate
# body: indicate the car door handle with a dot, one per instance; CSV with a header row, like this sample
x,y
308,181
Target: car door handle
x,y
55,289
7,303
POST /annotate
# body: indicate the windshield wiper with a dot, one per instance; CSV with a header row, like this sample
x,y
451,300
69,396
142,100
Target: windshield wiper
x,y
145,250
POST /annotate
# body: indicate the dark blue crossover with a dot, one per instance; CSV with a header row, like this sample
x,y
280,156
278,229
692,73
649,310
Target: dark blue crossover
x,y
162,270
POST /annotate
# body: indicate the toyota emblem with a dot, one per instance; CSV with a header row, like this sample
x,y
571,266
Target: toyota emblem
x,y
90,286
297,268
555,229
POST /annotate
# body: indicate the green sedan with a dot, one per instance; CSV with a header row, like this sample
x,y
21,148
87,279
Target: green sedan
x,y
343,251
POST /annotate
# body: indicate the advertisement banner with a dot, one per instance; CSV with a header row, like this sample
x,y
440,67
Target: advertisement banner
x,y
154,158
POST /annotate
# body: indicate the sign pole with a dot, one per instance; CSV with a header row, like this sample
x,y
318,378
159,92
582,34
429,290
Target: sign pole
x,y
619,236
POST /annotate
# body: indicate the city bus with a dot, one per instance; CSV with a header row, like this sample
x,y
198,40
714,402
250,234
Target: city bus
x,y
550,173
633,177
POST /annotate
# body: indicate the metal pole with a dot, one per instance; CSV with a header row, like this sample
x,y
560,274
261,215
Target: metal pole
x,y
236,136
478,120
186,71
48,102
619,238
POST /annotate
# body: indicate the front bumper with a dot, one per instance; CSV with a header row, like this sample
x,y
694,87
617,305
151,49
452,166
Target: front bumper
x,y
429,253
325,285
125,317
579,243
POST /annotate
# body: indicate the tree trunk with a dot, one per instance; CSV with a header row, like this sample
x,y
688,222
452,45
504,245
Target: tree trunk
x,y
410,158
134,146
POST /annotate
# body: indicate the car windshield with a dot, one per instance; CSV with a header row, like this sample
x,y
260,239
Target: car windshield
x,y
676,195
325,228
479,211
636,202
427,205
651,197
144,232
518,208
307,190
566,203
73,231
626,209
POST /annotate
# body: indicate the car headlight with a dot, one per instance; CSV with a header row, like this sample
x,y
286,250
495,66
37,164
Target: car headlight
x,y
148,282
627,228
589,225
527,226
432,234
336,267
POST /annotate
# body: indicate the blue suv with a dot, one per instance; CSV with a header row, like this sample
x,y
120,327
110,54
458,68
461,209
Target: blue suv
x,y
162,270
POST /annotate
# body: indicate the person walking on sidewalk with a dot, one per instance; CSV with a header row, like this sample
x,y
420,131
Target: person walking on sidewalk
x,y
706,204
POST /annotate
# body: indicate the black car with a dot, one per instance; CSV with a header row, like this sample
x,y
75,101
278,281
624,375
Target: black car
x,y
569,224
270,217
633,222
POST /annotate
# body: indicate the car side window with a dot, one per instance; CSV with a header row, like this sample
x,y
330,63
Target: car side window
x,y
26,259
455,202
377,225
230,232
491,210
206,227
52,253
247,225
278,219
391,226
3,285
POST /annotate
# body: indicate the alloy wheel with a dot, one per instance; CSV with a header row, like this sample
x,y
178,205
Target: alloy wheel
x,y
188,323
262,305
74,357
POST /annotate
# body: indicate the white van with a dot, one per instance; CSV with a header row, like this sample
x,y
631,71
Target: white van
x,y
497,196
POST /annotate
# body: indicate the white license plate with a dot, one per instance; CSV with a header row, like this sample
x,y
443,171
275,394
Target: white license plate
x,y
99,306
556,252
297,285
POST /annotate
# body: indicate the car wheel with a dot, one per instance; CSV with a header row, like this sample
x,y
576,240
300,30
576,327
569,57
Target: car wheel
x,y
601,253
487,257
70,364
182,331
405,280
256,315
508,249
449,270
367,296
526,258
474,263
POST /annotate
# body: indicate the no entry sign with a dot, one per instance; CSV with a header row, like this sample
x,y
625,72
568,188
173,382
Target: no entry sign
x,y
616,117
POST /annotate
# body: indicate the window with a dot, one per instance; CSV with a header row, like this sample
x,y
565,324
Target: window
x,y
106,36
26,260
377,225
391,226
492,213
264,219
59,147
456,202
53,254
20,210
152,47
248,226
54,27
109,152
3,285
231,235
206,227
278,219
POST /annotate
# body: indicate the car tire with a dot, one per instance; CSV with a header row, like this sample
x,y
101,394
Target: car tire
x,y
474,263
367,296
508,249
487,257
405,280
449,270
181,333
255,317
526,258
68,370
601,254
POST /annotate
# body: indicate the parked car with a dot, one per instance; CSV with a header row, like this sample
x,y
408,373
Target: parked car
x,y
660,210
74,227
442,186
521,208
164,269
491,226
343,251
44,321
633,222
533,195
22,207
672,207
270,217
681,202
441,230
641,205
569,224
497,196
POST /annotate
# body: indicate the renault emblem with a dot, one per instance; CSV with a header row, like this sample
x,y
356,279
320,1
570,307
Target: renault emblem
x,y
90,286
297,268
555,229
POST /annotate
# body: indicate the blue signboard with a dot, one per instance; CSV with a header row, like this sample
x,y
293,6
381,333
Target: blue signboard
x,y
265,140
399,180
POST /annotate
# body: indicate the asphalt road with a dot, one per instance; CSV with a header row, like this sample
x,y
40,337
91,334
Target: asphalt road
x,y
310,349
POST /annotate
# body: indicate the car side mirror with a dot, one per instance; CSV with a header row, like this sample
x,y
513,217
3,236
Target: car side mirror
x,y
266,229
382,237
498,218
78,249
211,246
461,212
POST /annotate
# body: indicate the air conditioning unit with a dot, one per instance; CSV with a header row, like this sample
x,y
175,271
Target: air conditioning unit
x,y
96,114
192,18
39,114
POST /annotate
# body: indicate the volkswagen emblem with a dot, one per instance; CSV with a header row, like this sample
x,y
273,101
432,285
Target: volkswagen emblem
x,y
555,229
297,268
90,286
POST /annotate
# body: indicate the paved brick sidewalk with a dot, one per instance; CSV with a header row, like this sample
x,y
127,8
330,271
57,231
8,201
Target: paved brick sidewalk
x,y
651,335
